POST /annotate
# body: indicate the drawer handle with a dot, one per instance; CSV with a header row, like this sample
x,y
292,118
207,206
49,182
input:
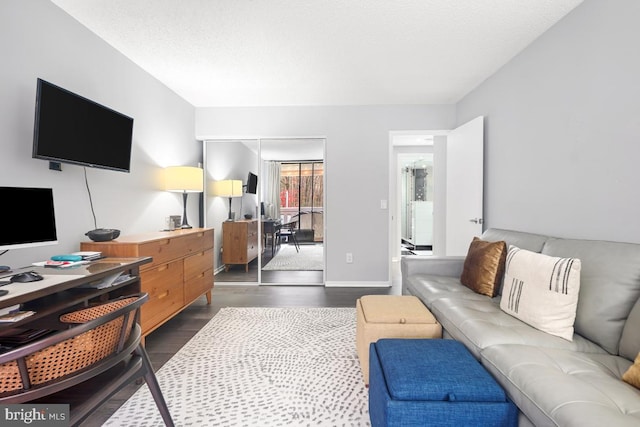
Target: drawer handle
x,y
165,242
163,295
163,267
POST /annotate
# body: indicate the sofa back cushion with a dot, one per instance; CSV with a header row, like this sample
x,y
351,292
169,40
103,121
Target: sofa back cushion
x,y
609,286
630,340
529,241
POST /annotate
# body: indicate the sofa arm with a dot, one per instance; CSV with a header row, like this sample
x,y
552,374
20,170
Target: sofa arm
x,y
450,266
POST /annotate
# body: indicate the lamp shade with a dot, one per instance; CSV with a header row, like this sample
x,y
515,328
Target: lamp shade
x,y
184,179
228,188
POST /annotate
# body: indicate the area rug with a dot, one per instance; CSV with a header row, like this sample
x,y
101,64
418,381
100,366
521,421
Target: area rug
x,y
310,257
261,367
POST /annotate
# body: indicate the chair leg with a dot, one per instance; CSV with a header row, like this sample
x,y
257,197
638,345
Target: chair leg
x,y
154,387
295,240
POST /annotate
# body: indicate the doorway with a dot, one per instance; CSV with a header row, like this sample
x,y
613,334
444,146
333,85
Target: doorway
x,y
416,203
458,158
414,233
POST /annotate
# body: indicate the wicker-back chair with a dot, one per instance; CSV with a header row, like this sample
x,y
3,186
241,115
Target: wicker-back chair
x,y
99,338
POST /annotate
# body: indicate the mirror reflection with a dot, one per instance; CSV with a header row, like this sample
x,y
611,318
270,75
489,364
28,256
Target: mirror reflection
x,y
272,231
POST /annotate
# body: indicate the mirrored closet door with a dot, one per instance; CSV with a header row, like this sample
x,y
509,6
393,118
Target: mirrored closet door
x,y
292,199
265,199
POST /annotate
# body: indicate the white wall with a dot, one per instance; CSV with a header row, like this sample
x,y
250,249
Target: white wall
x,y
37,39
356,167
562,129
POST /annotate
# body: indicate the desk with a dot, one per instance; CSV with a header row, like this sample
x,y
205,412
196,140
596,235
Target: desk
x,y
61,290
88,379
271,228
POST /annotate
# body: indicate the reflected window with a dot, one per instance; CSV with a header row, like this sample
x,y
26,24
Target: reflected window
x,y
302,195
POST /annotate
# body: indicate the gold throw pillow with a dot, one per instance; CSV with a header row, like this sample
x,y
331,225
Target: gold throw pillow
x,y
484,266
632,376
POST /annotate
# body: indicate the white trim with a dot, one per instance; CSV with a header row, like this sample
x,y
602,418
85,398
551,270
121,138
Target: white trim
x,y
236,284
231,138
357,284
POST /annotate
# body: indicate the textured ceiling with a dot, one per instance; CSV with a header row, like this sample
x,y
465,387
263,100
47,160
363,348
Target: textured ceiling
x,y
319,52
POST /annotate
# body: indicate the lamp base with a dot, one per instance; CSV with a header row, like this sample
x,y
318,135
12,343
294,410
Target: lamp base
x,y
185,224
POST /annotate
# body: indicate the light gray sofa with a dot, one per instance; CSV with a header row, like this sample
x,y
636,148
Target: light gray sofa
x,y
553,381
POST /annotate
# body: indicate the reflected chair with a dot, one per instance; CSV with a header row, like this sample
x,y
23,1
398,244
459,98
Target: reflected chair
x,y
288,231
84,365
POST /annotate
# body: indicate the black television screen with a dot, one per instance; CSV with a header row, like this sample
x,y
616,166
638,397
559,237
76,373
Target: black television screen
x,y
252,183
69,128
28,216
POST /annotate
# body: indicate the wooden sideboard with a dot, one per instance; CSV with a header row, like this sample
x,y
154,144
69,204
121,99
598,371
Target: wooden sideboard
x,y
181,270
239,242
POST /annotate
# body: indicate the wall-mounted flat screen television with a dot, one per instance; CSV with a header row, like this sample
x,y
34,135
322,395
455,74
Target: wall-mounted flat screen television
x,y
28,216
252,183
69,128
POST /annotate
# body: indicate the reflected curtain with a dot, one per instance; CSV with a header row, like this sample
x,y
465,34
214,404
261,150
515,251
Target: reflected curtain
x,y
272,189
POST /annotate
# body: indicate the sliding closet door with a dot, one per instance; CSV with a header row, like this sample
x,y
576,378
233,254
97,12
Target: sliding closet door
x,y
292,197
231,162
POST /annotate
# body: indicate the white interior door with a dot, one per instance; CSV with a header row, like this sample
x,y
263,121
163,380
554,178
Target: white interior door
x,y
465,159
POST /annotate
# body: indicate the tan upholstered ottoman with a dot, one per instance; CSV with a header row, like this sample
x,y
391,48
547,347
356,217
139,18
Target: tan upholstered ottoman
x,y
391,316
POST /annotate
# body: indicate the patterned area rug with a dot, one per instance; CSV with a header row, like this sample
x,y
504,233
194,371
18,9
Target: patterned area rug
x,y
310,257
261,367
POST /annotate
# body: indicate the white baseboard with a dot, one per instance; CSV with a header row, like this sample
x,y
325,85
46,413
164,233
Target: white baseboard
x,y
356,284
235,284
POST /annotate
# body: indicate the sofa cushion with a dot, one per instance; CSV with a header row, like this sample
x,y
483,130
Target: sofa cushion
x,y
542,290
609,286
632,375
630,340
430,288
484,266
565,388
529,241
480,323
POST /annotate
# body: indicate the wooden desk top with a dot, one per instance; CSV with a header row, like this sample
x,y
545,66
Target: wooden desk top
x,y
60,279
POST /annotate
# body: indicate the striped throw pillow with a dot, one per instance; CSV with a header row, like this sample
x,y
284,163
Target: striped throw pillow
x,y
541,290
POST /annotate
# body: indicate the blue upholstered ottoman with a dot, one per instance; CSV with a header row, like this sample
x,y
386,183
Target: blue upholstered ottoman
x,y
433,382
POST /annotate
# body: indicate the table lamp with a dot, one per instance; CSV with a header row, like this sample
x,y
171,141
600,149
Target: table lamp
x,y
185,180
228,188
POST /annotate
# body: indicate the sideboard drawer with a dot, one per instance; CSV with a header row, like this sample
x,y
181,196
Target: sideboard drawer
x,y
164,284
164,250
195,264
198,285
199,242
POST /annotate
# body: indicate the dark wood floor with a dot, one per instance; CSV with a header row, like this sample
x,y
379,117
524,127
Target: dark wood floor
x,y
238,273
163,343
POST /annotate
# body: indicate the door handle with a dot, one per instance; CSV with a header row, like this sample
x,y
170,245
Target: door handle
x,y
476,220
